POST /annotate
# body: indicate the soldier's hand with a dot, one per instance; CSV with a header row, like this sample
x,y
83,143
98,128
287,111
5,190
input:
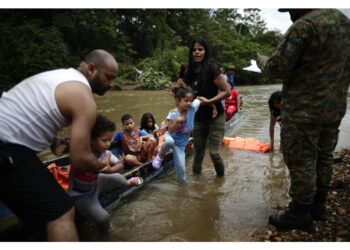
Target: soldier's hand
x,y
261,61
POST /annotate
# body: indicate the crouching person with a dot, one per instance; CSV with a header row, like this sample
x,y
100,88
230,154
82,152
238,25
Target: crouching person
x,y
53,100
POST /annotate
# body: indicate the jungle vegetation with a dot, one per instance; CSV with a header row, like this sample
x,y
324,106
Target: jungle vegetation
x,y
152,41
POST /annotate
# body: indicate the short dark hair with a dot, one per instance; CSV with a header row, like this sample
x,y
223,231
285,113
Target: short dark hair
x,y
97,56
126,117
181,92
102,125
275,97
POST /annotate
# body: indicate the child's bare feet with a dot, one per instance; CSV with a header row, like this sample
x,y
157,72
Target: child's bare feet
x,y
135,181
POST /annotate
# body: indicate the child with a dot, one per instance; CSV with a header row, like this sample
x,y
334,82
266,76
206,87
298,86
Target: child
x,y
148,125
275,110
180,125
137,145
232,104
85,186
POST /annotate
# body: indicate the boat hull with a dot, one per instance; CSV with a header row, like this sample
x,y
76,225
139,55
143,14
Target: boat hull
x,y
10,225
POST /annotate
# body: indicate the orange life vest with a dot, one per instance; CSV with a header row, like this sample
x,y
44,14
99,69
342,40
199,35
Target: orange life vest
x,y
61,174
251,144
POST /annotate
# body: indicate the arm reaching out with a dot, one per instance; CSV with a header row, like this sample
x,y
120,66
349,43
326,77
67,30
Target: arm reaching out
x,y
272,131
205,101
174,124
76,103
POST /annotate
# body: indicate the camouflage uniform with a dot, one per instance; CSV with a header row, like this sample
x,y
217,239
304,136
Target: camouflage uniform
x,y
313,59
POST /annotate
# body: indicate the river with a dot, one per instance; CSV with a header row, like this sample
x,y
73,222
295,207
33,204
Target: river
x,y
207,208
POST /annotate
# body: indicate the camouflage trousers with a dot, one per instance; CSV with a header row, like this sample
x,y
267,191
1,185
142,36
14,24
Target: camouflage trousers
x,y
308,152
212,131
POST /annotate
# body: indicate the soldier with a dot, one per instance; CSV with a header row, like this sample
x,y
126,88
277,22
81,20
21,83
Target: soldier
x,y
313,59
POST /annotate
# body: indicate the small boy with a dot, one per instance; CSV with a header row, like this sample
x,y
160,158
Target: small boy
x,y
138,146
85,187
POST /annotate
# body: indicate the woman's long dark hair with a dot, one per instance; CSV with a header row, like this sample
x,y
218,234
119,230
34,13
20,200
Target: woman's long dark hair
x,y
202,42
183,70
191,74
144,120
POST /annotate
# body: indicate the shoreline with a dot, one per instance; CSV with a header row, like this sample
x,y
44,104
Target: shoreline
x,y
337,226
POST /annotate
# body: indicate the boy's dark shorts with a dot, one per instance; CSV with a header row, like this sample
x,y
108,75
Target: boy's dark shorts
x,y
28,188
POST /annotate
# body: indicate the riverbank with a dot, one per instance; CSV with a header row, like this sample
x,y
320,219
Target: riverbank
x,y
337,226
128,86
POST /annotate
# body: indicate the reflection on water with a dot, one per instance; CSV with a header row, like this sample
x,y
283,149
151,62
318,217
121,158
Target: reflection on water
x,y
207,208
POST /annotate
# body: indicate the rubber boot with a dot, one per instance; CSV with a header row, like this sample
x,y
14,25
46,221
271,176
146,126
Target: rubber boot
x,y
196,170
220,170
218,164
318,208
297,217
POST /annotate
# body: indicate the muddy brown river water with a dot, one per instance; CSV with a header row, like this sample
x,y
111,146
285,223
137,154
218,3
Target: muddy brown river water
x,y
207,208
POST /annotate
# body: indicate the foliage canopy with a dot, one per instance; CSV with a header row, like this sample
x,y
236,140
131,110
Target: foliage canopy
x,y
154,41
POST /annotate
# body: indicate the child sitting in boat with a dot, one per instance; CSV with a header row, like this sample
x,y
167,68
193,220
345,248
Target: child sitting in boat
x,y
232,104
86,186
275,117
137,146
148,125
180,124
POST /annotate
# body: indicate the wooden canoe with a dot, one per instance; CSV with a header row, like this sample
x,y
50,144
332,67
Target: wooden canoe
x,y
11,228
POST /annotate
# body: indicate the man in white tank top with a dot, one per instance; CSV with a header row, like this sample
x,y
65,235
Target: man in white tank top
x,y
31,114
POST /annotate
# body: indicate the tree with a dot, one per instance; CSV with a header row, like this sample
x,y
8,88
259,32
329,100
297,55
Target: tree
x,y
34,40
29,49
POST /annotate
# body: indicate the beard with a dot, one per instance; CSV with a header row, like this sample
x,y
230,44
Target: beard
x,y
97,86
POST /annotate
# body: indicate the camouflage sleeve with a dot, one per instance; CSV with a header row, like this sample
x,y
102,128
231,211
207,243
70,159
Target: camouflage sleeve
x,y
289,51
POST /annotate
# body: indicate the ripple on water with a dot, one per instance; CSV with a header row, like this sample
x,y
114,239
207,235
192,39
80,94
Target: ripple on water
x,y
207,208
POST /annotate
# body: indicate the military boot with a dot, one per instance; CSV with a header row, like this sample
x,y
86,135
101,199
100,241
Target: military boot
x,y
296,217
318,208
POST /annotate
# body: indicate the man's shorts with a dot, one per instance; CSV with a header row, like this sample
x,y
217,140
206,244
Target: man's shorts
x,y
28,188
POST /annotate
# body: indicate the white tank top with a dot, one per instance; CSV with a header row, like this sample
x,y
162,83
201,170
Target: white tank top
x,y
29,115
